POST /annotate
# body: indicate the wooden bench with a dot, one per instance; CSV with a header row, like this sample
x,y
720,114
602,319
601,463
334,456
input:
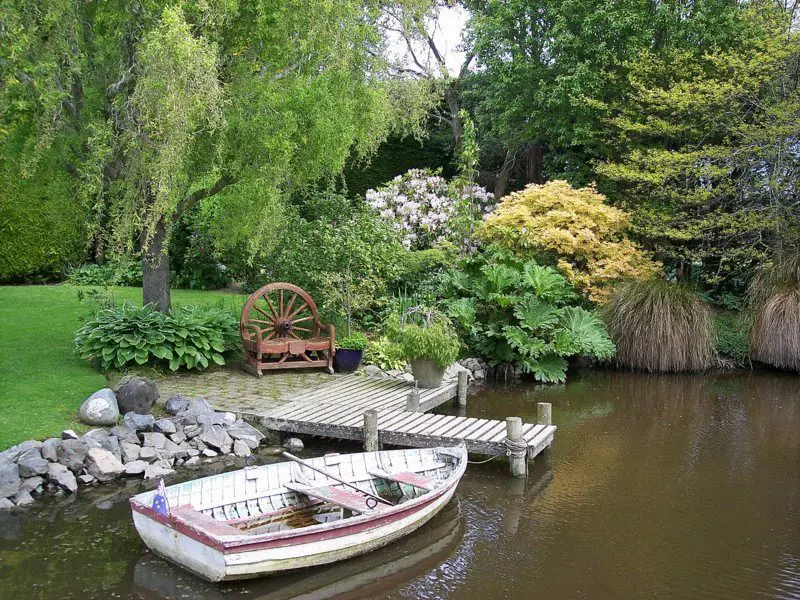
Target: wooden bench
x,y
348,500
280,329
408,478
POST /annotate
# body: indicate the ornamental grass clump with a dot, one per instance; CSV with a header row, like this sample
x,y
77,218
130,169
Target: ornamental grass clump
x,y
774,297
660,327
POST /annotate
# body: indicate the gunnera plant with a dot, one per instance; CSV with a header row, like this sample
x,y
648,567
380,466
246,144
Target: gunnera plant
x,y
659,327
774,298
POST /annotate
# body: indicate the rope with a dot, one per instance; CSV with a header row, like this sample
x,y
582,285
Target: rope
x,y
514,448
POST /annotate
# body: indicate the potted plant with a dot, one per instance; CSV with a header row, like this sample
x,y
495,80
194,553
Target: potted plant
x,y
428,341
349,351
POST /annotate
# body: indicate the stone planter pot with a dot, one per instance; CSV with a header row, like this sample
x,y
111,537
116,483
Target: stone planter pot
x,y
347,361
427,373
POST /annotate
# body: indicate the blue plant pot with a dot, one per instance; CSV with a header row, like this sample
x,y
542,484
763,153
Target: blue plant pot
x,y
347,361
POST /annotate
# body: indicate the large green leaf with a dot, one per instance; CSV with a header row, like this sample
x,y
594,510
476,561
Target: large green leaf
x,y
547,283
536,315
464,311
548,369
589,335
523,342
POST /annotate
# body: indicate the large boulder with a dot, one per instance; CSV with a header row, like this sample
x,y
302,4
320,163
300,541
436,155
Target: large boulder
x,y
176,404
216,437
136,394
196,411
10,481
100,408
62,477
139,422
103,465
32,464
50,449
72,453
242,429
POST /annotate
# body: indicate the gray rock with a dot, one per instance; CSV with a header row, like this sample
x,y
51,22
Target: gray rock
x,y
5,504
155,440
228,418
216,437
198,443
170,448
183,450
193,452
138,422
23,498
294,444
100,408
50,449
32,464
196,408
212,418
241,449
251,442
153,471
394,373
451,373
136,394
479,374
95,438
178,437
103,464
129,452
71,454
69,434
407,377
226,449
192,461
209,453
111,443
176,404
165,426
148,453
10,455
137,467
191,431
121,431
62,477
29,444
86,479
9,479
32,484
241,429
374,371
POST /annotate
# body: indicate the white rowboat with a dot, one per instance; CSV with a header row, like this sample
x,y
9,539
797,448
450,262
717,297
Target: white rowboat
x,y
284,516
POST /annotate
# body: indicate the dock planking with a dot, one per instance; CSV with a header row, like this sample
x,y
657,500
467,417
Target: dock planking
x,y
337,410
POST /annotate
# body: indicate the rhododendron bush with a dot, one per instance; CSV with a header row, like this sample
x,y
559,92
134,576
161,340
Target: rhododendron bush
x,y
428,210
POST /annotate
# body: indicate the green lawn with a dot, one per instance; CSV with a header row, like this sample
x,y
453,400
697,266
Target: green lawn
x,y
42,382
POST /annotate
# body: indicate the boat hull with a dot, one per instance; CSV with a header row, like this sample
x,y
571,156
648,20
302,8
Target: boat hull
x,y
216,565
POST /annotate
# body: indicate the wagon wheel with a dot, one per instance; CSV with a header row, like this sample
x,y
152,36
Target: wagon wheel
x,y
282,310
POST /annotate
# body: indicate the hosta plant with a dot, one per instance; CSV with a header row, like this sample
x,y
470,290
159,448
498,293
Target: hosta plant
x,y
519,312
187,337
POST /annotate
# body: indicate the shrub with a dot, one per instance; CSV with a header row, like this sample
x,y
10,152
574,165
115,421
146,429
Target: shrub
x,y
660,327
732,334
428,210
519,312
195,261
774,297
384,354
354,341
117,271
424,334
574,229
189,337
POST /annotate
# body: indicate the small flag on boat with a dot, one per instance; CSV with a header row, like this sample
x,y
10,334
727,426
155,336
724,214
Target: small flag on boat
x,y
160,504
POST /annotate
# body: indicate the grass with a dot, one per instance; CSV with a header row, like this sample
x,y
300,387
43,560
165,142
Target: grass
x,y
42,382
660,327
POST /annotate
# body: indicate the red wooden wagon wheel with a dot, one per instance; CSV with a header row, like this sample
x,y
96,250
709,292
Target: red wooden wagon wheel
x,y
281,310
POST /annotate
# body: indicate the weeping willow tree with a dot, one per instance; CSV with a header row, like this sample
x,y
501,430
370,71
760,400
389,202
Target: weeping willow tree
x,y
154,107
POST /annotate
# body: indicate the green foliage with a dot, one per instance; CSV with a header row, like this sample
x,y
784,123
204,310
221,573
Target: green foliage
x,y
118,271
384,354
354,341
514,311
660,327
196,260
732,335
188,337
424,334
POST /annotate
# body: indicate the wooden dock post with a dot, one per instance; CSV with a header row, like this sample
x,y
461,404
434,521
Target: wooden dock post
x,y
412,402
544,413
371,430
463,382
517,464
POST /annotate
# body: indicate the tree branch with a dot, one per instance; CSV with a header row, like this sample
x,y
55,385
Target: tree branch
x,y
115,89
199,195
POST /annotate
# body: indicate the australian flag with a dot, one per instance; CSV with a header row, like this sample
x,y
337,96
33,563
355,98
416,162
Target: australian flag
x,y
160,504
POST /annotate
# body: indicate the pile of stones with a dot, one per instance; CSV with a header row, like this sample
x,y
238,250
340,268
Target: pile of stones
x,y
475,367
140,446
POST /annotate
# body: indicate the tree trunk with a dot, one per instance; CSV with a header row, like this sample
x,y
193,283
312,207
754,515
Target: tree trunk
x,y
533,170
155,270
451,95
501,183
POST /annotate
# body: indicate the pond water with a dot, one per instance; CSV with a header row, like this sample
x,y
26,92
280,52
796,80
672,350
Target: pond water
x,y
656,487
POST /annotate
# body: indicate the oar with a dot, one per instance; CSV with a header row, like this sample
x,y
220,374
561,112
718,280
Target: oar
x,y
334,477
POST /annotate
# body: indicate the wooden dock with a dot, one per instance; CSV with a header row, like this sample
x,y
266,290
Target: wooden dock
x,y
341,408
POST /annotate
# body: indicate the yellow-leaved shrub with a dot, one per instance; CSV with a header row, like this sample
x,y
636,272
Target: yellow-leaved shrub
x,y
576,228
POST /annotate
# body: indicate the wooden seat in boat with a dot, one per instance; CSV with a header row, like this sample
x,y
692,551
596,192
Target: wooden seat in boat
x,y
408,478
348,500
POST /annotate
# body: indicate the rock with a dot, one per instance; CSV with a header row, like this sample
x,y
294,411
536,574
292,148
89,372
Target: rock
x,y
23,498
28,445
155,440
100,408
9,479
170,447
193,452
129,452
176,404
212,418
32,484
111,443
272,451
10,455
294,444
196,408
139,422
198,443
86,479
252,443
178,437
183,450
69,434
209,453
451,373
95,438
479,374
407,377
191,461
191,431
32,464
5,504
241,449
148,453
216,437
228,418
103,464
50,449
394,373
62,477
136,394
374,371
136,467
165,426
71,454
240,430
153,471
